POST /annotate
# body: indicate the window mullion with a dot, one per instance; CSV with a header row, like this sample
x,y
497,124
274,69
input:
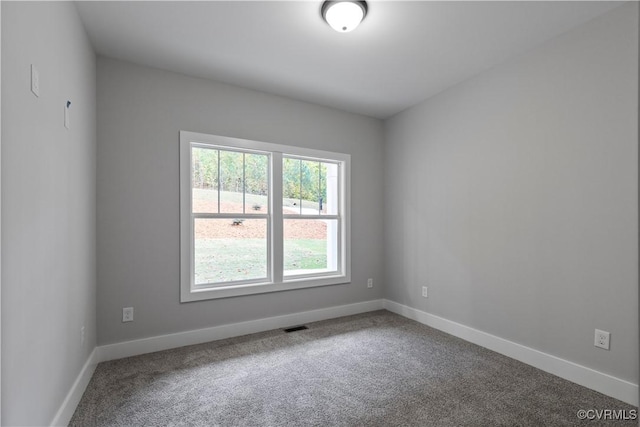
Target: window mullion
x,y
319,188
219,182
300,188
204,215
277,228
310,216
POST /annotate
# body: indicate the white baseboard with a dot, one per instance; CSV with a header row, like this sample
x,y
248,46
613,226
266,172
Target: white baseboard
x,y
198,336
68,407
587,377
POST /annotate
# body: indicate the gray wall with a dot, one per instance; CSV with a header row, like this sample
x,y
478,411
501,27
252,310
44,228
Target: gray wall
x,y
141,111
48,209
0,218
514,197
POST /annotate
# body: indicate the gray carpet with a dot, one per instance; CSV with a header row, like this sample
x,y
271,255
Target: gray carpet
x,y
373,369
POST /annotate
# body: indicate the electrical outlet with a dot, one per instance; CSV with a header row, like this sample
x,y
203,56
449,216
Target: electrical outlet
x,y
602,339
127,314
425,292
369,283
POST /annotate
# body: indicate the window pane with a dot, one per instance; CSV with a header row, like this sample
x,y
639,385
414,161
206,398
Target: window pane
x,y
290,185
329,188
256,184
310,246
310,187
204,180
231,182
227,250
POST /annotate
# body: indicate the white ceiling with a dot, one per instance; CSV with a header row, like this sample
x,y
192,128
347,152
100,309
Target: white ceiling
x,y
402,53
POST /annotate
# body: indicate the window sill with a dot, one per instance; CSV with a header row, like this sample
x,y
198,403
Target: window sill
x,y
261,288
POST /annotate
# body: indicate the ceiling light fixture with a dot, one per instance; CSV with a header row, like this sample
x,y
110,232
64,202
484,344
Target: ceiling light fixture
x,y
344,16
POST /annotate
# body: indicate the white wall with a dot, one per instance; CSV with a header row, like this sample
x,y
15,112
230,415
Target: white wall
x,y
48,209
514,197
141,111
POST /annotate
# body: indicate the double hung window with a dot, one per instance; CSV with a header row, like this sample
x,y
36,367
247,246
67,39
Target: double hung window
x,y
259,217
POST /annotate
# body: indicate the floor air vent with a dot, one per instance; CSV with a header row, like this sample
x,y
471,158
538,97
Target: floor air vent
x,y
296,328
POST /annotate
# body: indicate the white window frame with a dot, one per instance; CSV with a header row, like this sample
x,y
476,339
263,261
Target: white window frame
x,y
275,219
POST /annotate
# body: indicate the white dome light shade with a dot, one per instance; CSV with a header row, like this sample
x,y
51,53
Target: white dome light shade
x,y
344,16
